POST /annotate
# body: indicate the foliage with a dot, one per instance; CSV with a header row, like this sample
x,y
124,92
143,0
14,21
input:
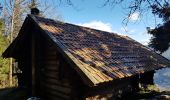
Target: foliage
x,y
161,34
4,63
163,11
160,37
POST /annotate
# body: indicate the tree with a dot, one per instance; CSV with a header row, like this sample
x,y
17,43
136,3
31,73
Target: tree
x,y
4,63
160,37
16,19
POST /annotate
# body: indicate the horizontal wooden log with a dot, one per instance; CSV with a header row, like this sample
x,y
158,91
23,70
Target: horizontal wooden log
x,y
52,87
51,90
51,58
54,76
58,82
51,68
51,62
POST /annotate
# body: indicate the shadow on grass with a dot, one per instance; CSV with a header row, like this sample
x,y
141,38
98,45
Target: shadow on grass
x,y
12,93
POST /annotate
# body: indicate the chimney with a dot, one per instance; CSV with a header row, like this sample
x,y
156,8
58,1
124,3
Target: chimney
x,y
35,11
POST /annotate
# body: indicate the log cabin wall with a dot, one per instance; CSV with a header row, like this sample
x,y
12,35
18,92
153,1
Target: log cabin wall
x,y
69,75
51,84
55,79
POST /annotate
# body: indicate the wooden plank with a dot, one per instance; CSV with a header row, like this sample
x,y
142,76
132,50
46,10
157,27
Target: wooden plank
x,y
51,68
52,58
57,94
50,76
57,82
51,62
52,87
50,65
51,73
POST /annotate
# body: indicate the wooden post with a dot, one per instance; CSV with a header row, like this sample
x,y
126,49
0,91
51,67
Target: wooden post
x,y
33,64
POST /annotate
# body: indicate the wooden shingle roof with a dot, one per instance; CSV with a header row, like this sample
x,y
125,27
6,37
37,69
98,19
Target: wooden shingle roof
x,y
98,55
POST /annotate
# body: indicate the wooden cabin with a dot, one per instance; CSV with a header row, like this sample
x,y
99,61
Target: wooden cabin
x,y
62,61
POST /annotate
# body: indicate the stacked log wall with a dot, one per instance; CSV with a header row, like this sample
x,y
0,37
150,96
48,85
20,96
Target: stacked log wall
x,y
51,84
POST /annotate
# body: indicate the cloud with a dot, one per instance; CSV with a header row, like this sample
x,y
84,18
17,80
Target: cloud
x,y
135,16
98,25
